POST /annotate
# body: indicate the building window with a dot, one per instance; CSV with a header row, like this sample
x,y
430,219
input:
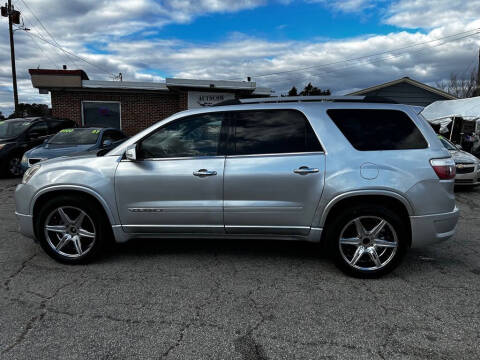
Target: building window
x,y
101,114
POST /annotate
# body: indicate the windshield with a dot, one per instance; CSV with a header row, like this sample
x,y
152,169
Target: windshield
x,y
448,145
75,137
12,128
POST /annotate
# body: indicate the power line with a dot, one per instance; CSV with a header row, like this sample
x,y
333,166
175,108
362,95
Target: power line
x,y
72,54
41,49
381,59
66,57
475,31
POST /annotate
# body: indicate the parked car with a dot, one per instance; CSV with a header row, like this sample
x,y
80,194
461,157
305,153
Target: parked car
x,y
74,141
20,135
368,180
468,165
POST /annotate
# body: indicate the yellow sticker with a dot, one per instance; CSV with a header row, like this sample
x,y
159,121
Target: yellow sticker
x,y
66,130
95,131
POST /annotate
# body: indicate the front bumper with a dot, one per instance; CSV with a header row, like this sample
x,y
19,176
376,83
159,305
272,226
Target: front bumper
x,y
472,178
431,229
25,225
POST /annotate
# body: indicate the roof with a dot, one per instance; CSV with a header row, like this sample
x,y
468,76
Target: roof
x,y
211,84
124,85
80,73
408,81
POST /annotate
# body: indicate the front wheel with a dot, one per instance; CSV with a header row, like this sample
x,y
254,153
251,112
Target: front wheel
x,y
367,241
71,229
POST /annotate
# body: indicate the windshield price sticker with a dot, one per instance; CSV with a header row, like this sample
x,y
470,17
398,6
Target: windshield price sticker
x,y
66,130
95,131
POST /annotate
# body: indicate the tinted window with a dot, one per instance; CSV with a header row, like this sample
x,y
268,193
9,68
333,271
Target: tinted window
x,y
57,125
448,145
193,136
101,114
113,135
38,129
378,129
273,132
75,137
13,128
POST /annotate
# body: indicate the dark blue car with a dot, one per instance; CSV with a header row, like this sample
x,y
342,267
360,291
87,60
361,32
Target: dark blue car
x,y
69,142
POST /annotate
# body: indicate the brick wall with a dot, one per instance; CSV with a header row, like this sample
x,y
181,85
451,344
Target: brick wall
x,y
138,110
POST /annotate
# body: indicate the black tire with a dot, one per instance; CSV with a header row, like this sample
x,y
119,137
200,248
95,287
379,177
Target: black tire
x,y
395,231
13,167
95,222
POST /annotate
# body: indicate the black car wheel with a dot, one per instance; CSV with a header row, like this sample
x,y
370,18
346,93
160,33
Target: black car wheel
x,y
14,167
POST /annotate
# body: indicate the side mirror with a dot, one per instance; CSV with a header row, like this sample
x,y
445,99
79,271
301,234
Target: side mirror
x,y
131,153
107,143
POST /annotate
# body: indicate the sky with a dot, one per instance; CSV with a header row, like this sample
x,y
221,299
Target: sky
x,y
338,45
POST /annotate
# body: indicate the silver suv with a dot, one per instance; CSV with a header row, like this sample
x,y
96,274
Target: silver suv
x,y
368,180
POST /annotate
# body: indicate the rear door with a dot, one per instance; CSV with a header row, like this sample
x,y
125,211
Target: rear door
x,y
274,173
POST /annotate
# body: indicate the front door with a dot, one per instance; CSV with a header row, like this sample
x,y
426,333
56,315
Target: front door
x,y
274,174
176,185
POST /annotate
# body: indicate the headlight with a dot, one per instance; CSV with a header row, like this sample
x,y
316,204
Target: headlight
x,y
29,173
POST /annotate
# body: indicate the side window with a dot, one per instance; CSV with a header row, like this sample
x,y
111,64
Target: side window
x,y
38,129
57,125
370,130
189,137
273,132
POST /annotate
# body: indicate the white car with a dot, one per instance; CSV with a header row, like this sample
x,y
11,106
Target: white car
x,y
468,165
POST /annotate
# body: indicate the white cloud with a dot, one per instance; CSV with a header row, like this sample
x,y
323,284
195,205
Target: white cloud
x,y
432,14
77,23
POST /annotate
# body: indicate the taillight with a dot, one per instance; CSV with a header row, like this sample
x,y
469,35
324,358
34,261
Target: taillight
x,y
444,168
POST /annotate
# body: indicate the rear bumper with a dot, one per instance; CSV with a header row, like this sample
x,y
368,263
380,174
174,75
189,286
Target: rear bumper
x,y
431,229
25,225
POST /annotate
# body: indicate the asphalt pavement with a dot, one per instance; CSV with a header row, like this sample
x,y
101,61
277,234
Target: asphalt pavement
x,y
197,299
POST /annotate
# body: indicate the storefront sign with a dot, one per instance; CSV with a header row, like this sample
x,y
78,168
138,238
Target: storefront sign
x,y
197,99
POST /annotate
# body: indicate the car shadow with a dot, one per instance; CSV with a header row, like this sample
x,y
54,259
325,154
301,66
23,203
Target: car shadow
x,y
239,248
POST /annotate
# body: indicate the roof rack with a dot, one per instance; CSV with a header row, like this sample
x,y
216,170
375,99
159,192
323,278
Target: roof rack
x,y
284,99
279,99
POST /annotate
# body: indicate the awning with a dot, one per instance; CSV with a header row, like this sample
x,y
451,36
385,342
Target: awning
x,y
468,109
443,112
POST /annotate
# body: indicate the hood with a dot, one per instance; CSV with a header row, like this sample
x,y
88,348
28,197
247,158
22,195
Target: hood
x,y
49,151
65,159
7,140
460,156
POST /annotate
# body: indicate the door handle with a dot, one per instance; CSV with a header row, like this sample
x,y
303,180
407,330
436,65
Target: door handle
x,y
304,170
204,172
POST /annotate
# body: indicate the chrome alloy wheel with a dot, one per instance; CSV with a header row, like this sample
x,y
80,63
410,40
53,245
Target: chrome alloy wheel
x,y
368,243
70,232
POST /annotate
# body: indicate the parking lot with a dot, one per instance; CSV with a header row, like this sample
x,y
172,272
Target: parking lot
x,y
189,299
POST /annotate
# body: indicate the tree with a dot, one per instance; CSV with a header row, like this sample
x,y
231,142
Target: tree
x,y
293,91
1,116
462,86
28,110
311,90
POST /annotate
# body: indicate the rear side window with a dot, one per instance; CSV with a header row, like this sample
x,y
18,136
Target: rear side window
x,y
273,132
369,130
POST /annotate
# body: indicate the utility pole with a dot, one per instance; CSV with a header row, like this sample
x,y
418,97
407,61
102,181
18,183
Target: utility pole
x,y
13,18
478,75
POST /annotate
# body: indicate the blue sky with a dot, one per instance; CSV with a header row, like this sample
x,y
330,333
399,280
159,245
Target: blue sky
x,y
148,40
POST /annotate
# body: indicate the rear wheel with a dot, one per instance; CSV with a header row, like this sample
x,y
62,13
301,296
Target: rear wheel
x,y
14,167
367,241
71,229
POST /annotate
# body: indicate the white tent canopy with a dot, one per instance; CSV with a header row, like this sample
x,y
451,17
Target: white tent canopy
x,y
443,112
468,109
